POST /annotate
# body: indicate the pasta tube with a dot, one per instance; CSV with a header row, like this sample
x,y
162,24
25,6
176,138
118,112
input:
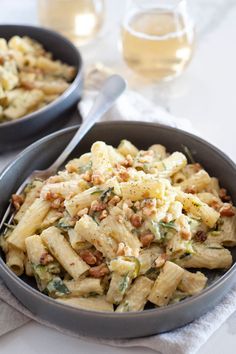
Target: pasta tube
x,y
63,252
166,284
98,303
29,223
87,228
137,295
192,283
15,260
207,256
198,209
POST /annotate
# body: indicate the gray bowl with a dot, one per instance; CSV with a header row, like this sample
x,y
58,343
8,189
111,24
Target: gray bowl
x,y
20,132
114,325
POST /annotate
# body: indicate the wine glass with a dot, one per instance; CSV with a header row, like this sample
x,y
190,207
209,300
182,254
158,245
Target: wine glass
x,y
157,38
79,20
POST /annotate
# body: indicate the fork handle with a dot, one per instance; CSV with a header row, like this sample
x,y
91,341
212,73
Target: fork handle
x,y
110,91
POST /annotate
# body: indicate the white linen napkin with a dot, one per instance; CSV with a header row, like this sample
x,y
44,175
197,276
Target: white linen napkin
x,y
185,340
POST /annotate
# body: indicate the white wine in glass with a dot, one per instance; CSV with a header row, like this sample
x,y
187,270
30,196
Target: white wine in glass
x,y
79,20
157,38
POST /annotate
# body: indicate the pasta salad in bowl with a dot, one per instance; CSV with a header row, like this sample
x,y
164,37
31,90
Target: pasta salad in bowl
x,y
141,230
120,227
40,81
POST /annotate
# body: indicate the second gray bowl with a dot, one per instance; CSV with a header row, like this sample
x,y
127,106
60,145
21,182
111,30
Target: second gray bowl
x,y
24,130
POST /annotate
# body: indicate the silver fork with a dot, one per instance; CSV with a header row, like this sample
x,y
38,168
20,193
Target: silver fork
x,y
113,87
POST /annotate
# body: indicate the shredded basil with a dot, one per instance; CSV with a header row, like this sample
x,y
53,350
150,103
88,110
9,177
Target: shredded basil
x,y
85,168
92,294
215,248
168,225
124,284
152,273
57,287
106,194
62,225
188,153
98,190
95,216
126,307
186,254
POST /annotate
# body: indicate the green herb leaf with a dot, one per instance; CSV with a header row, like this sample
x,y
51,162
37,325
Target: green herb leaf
x,y
186,254
124,284
95,216
106,194
152,273
215,233
98,190
92,294
57,287
85,168
63,226
215,247
168,225
188,153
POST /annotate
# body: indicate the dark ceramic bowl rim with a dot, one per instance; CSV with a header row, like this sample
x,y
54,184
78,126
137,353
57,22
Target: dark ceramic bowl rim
x,y
66,93
145,313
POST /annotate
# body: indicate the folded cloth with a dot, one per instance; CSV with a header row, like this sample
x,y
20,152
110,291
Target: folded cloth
x,y
185,340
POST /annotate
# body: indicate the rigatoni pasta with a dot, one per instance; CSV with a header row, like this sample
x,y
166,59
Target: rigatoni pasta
x,y
121,229
29,77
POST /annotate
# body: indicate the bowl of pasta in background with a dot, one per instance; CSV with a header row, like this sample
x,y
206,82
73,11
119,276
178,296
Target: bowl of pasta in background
x,y
113,324
43,119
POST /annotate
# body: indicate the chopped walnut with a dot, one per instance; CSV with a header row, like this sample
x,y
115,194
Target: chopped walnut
x,y
50,196
149,203
128,162
17,200
185,234
97,206
123,176
136,220
99,257
114,200
87,176
57,203
45,258
160,261
71,168
215,204
82,212
223,195
200,236
97,178
103,215
148,211
190,190
227,210
146,239
168,217
88,257
99,271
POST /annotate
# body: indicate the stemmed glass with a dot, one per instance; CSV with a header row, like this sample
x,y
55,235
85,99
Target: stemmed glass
x,y
79,20
157,38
